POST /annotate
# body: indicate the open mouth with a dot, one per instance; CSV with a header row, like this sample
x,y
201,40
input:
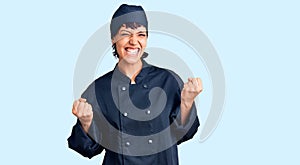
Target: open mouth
x,y
132,51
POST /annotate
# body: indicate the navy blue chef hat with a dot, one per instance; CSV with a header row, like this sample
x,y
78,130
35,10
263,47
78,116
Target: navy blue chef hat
x,y
127,14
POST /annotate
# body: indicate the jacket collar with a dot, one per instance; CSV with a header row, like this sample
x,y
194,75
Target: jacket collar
x,y
122,78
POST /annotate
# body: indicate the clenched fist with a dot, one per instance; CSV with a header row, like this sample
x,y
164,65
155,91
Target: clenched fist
x,y
188,94
191,89
84,112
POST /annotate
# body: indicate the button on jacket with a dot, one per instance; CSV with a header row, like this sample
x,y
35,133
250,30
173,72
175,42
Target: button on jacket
x,y
135,123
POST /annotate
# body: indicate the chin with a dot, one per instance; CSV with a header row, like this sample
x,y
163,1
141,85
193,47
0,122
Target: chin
x,y
131,60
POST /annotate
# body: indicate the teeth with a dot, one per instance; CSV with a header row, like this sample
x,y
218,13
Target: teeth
x,y
132,51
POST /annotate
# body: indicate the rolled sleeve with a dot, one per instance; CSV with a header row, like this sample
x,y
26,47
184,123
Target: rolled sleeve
x,y
80,142
189,129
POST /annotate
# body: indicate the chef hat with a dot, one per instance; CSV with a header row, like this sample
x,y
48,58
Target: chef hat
x,y
127,14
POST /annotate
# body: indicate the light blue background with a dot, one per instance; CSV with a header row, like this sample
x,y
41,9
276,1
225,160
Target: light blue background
x,y
257,42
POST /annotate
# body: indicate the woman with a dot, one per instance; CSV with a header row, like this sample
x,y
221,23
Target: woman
x,y
137,113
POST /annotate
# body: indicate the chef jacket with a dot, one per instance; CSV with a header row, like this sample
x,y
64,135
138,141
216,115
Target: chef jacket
x,y
129,124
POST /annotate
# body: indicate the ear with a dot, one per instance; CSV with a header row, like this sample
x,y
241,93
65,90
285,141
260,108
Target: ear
x,y
113,40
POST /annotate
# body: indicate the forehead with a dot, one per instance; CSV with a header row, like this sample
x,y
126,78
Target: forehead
x,y
135,29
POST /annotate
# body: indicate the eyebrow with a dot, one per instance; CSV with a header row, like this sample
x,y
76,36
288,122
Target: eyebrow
x,y
125,31
131,32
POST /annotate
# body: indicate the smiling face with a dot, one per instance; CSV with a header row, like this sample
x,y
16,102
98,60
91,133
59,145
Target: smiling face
x,y
130,44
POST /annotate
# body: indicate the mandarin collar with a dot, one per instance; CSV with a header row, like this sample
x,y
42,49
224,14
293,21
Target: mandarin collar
x,y
122,78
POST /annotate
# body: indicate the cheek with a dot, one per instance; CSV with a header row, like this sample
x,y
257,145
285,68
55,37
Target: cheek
x,y
119,45
143,43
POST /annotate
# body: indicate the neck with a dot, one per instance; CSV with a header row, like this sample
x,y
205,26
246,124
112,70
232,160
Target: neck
x,y
130,70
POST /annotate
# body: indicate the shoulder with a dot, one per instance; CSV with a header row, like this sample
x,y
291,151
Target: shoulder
x,y
104,78
166,73
101,82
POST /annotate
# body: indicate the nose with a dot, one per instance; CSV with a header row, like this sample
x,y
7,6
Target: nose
x,y
133,40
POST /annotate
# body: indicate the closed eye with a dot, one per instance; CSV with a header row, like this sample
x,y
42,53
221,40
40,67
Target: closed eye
x,y
125,34
142,34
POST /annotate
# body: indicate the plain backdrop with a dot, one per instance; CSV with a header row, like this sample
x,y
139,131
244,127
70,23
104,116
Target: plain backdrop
x,y
257,42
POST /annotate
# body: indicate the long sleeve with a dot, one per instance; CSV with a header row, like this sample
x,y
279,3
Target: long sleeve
x,y
189,129
82,143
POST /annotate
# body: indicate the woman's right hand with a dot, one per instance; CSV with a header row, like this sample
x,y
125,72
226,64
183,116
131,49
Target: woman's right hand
x,y
84,112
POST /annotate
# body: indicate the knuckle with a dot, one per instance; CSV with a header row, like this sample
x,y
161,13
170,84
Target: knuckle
x,y
79,115
74,113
